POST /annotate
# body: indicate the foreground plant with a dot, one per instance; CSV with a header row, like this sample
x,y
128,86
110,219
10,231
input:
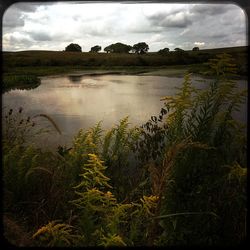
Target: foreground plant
x,y
179,179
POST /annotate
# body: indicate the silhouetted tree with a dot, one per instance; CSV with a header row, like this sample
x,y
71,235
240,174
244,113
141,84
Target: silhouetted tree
x,y
73,47
140,48
96,48
118,48
178,50
163,51
108,49
196,49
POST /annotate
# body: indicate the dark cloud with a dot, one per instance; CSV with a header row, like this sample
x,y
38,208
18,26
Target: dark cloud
x,y
176,21
15,15
40,36
25,7
12,20
173,20
208,9
217,36
30,6
99,32
144,30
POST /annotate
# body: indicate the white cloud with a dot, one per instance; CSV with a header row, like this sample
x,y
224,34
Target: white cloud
x,y
156,38
53,26
199,44
184,31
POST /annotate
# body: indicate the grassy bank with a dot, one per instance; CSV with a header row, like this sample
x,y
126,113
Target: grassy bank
x,y
177,70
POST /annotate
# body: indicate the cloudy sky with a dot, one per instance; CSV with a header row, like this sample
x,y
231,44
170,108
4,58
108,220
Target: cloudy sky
x,y
34,26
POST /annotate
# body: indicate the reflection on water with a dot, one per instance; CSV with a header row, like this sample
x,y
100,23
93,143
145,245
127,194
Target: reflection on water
x,y
76,102
75,79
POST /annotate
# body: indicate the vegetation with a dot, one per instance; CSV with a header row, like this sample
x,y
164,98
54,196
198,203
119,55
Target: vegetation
x,y
96,48
23,69
73,47
195,49
178,50
179,179
20,81
118,48
140,48
85,60
164,51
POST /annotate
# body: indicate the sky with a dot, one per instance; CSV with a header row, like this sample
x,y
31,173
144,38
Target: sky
x,y
53,26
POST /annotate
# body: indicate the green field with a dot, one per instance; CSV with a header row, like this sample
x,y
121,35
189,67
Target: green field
x,y
106,60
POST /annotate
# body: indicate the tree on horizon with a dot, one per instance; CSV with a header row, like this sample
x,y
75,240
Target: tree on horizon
x,y
96,48
140,48
164,51
118,48
73,47
195,49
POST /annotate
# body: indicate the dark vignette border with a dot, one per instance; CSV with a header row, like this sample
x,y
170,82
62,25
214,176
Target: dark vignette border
x,y
5,4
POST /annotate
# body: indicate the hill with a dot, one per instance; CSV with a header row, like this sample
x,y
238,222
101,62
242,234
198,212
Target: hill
x,y
90,59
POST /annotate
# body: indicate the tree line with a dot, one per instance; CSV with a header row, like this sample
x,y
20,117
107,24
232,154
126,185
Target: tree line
x,y
138,48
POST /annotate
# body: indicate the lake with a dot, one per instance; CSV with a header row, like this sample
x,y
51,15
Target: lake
x,y
80,101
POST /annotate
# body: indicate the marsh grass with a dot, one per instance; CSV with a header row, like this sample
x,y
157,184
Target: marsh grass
x,y
179,179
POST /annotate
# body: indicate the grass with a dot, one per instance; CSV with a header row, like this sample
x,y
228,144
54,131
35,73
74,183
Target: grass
x,y
179,179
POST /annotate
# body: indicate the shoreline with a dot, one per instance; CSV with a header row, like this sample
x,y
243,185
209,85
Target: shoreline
x,y
12,77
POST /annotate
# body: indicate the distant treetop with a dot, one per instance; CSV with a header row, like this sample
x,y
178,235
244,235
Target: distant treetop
x,y
196,49
96,48
178,49
140,48
163,51
73,47
118,48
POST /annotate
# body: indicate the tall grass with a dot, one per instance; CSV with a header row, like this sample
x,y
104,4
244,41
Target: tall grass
x,y
179,179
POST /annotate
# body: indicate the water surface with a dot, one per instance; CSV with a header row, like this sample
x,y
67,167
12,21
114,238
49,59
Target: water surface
x,y
75,102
